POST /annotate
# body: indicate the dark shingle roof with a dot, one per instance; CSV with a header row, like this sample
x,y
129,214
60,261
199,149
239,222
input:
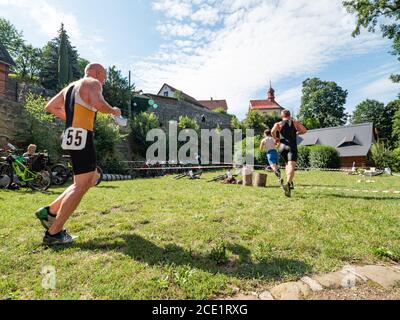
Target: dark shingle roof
x,y
349,141
5,56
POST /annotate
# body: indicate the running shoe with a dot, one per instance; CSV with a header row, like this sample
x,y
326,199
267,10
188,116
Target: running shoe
x,y
288,191
45,218
291,185
60,238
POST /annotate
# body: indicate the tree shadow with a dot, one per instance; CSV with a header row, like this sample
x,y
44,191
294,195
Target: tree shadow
x,y
363,197
142,250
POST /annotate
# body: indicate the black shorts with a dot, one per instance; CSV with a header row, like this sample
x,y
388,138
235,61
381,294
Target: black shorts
x,y
84,161
288,153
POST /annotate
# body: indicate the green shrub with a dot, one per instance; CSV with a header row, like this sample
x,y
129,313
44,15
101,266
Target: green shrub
x,y
259,156
304,157
381,156
396,160
324,157
141,124
186,122
41,128
114,166
106,139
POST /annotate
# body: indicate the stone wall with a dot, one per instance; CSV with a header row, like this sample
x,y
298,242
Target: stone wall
x,y
170,109
11,118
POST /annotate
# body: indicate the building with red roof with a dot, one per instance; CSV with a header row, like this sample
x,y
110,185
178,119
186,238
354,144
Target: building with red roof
x,y
268,106
215,104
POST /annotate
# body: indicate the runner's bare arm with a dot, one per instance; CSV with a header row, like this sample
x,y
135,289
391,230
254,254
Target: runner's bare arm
x,y
262,145
97,100
56,106
275,130
300,128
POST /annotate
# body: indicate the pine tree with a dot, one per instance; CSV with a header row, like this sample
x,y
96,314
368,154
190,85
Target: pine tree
x,y
64,67
60,62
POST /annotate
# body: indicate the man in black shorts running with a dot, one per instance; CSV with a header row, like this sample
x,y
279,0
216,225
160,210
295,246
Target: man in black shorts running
x,y
285,135
77,105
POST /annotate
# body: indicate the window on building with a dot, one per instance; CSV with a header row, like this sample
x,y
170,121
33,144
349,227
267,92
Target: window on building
x,y
166,94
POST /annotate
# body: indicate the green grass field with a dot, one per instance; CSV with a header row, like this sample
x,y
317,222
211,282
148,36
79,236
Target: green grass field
x,y
167,239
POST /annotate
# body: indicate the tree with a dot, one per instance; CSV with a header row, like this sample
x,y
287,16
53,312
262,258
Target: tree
x,y
49,71
60,62
372,12
396,128
178,95
257,121
28,63
64,74
141,124
322,104
377,113
117,90
82,63
10,37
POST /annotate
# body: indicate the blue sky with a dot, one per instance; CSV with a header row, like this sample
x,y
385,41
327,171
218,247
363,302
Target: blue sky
x,y
226,49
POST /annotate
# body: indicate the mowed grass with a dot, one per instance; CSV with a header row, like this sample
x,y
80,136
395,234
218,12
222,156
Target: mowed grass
x,y
167,239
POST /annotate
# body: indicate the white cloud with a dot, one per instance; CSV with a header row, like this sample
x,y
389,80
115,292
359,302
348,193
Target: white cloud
x,y
176,30
206,15
173,8
383,88
259,40
48,19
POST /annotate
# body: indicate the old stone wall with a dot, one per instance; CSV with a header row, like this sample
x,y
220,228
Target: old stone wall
x,y
12,120
170,109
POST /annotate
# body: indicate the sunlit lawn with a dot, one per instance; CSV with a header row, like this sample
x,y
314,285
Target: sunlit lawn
x,y
167,239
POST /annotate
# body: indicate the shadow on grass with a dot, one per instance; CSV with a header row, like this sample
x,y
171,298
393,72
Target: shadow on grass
x,y
363,197
142,250
107,187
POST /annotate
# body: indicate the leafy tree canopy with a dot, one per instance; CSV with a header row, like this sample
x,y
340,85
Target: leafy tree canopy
x,y
322,104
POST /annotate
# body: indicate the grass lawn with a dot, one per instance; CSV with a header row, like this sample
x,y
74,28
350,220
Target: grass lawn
x,y
166,239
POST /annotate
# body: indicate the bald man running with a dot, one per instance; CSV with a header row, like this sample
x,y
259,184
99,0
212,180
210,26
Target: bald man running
x,y
77,105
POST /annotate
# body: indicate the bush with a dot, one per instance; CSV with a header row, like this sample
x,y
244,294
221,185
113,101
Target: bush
x,y
186,122
324,157
304,157
259,156
381,156
106,139
396,160
114,166
141,124
42,128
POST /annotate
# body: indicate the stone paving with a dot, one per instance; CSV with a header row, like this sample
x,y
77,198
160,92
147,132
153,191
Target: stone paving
x,y
385,277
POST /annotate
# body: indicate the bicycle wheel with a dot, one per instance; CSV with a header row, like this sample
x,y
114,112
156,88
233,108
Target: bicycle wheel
x,y
100,175
6,176
42,181
59,174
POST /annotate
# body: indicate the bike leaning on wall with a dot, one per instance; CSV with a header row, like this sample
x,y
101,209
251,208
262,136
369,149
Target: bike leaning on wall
x,y
30,173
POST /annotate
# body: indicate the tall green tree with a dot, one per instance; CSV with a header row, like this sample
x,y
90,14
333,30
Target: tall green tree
x,y
378,113
64,74
82,63
60,62
396,128
257,121
322,104
385,13
117,90
28,63
10,37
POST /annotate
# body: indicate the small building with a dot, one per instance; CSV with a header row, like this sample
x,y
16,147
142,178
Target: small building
x,y
353,142
215,104
268,106
170,92
5,63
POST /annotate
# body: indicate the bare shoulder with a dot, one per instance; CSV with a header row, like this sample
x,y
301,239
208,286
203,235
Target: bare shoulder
x,y
90,83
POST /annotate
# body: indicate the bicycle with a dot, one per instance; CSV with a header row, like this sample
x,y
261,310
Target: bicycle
x,y
13,165
62,173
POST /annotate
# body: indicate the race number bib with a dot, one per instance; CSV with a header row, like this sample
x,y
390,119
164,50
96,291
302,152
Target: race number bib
x,y
74,139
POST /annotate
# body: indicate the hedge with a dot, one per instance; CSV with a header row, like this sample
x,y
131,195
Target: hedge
x,y
304,157
324,157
